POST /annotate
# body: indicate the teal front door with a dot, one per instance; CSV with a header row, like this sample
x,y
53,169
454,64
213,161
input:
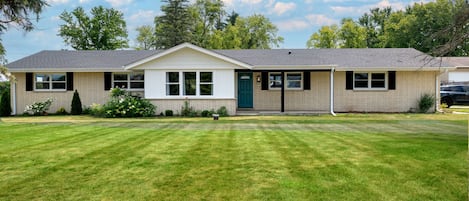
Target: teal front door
x,y
245,90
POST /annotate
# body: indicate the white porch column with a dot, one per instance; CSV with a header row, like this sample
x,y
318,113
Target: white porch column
x,y
332,92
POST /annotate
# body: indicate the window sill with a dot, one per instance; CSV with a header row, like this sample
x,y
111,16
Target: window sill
x,y
370,90
50,91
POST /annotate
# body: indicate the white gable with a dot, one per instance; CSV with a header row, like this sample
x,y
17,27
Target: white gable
x,y
187,56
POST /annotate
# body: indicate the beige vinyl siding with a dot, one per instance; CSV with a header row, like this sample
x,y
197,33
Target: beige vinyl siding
x,y
90,86
197,104
410,85
315,99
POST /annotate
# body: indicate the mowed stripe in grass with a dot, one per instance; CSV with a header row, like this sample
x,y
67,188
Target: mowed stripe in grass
x,y
308,159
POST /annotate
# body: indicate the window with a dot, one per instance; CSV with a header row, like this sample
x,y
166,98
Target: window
x,y
191,83
135,80
206,83
55,81
172,83
293,80
369,80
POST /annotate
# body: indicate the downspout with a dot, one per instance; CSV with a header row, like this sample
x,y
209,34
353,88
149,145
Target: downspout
x,y
332,92
437,91
13,96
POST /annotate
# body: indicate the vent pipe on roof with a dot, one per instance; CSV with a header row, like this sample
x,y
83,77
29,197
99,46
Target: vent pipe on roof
x,y
289,52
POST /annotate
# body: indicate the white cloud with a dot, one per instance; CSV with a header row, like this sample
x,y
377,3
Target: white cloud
x,y
251,1
54,2
320,20
143,17
281,8
309,1
118,3
359,10
292,25
83,1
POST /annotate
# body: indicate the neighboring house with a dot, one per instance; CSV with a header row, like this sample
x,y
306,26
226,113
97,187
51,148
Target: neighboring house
x,y
460,74
280,80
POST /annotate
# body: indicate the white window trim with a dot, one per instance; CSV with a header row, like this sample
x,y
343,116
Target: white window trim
x,y
50,82
197,84
369,88
173,83
129,81
284,81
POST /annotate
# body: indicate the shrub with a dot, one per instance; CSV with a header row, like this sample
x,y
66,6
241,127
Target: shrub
x,y
61,111
222,111
77,108
206,113
426,101
168,113
39,108
187,110
5,105
122,104
95,110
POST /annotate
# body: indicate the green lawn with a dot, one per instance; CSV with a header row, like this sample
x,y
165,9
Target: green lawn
x,y
349,157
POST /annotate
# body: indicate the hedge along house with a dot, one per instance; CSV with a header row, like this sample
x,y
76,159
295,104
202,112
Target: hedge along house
x,y
279,80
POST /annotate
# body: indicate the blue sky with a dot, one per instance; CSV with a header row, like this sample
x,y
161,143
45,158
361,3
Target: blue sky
x,y
296,20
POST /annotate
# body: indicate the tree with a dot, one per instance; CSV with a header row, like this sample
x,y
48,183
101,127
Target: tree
x,y
146,38
374,23
327,37
105,29
18,13
5,105
352,35
174,26
77,108
208,15
257,32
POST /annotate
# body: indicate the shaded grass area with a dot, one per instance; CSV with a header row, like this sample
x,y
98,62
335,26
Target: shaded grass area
x,y
350,157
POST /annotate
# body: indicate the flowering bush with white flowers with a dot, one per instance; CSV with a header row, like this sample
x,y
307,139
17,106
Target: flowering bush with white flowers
x,y
122,104
39,108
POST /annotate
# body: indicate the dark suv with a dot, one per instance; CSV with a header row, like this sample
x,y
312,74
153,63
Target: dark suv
x,y
454,95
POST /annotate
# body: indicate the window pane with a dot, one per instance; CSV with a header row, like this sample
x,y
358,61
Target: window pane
x,y
189,83
205,76
172,77
206,89
58,85
137,85
375,76
172,89
361,76
42,78
294,84
137,76
294,76
42,85
377,84
361,84
120,77
58,77
122,85
275,80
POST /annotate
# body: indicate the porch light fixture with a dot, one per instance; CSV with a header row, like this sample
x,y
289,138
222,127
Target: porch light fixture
x,y
258,78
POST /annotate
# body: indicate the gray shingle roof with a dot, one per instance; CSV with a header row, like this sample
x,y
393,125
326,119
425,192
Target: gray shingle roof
x,y
457,61
90,59
342,58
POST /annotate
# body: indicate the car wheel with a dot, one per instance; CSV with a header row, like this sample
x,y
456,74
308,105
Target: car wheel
x,y
448,101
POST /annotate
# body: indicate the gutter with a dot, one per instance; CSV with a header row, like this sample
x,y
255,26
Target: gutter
x,y
13,95
332,92
437,91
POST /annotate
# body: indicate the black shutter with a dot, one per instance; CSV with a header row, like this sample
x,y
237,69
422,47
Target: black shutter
x,y
349,80
69,81
107,81
29,81
307,80
265,80
392,80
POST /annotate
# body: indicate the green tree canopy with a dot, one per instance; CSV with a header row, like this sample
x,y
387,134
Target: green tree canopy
x,y
175,26
146,38
105,29
327,37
